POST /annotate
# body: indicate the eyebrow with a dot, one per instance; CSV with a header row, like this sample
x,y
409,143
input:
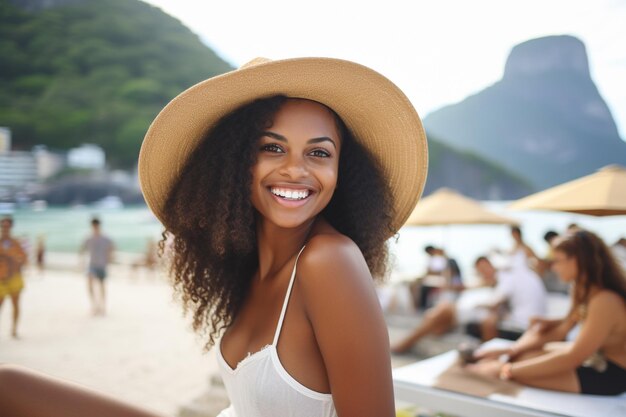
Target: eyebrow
x,y
313,140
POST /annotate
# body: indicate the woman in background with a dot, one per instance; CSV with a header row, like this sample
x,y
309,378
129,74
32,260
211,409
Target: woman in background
x,y
595,362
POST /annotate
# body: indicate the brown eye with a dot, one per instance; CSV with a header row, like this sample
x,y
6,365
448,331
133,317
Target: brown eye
x,y
320,153
272,147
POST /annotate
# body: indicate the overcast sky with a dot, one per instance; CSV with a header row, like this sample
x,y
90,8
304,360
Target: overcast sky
x,y
437,51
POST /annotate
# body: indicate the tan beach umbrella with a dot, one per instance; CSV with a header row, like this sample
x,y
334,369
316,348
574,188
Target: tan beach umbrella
x,y
600,194
446,206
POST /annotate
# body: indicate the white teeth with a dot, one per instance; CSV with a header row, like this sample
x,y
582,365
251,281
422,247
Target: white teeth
x,y
290,194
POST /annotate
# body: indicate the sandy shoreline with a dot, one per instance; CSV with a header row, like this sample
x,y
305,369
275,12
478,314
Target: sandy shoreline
x,y
143,351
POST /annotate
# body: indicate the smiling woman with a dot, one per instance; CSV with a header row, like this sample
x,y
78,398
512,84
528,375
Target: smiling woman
x,y
279,198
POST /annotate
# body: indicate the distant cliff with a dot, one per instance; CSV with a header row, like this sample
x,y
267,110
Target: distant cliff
x,y
544,121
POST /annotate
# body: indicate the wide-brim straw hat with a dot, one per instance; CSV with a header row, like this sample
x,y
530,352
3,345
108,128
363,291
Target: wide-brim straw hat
x,y
377,112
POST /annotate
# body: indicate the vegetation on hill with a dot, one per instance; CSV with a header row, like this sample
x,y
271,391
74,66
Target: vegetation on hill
x,y
94,72
470,174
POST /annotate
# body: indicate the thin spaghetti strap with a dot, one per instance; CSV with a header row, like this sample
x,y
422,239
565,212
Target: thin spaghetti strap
x,y
286,302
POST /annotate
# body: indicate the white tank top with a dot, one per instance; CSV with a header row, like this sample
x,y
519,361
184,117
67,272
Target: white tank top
x,y
261,387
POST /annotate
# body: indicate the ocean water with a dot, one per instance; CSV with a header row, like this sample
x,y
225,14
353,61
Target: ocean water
x,y
64,229
132,227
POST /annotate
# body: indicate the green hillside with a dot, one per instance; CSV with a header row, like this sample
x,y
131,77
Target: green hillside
x,y
94,72
471,174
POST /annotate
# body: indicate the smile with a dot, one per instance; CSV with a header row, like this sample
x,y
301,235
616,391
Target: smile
x,y
290,194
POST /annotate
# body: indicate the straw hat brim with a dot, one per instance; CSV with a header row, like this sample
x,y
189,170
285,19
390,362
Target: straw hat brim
x,y
376,111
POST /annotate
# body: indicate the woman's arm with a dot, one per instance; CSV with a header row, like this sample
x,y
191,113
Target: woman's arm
x,y
540,332
596,328
25,393
341,303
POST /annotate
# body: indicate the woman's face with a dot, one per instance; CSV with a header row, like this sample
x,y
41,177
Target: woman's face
x,y
297,164
565,266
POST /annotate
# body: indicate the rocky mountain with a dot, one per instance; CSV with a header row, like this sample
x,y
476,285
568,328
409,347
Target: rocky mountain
x,y
545,120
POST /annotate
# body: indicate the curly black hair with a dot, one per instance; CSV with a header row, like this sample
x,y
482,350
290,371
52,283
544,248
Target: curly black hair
x,y
211,220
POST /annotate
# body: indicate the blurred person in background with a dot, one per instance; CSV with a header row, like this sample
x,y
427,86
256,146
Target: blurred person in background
x,y
148,261
505,298
454,280
405,297
436,266
100,251
519,296
522,255
549,238
573,228
40,254
595,361
550,279
12,258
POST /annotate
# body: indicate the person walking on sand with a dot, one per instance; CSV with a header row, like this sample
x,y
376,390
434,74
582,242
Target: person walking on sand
x,y
281,183
100,250
12,258
40,254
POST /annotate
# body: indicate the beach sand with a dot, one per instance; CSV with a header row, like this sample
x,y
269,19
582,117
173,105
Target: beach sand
x,y
142,351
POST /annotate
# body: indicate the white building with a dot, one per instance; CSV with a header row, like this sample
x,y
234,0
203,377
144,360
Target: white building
x,y
86,157
18,170
48,163
5,139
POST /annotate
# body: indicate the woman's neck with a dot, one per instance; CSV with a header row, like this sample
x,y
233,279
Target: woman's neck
x,y
277,245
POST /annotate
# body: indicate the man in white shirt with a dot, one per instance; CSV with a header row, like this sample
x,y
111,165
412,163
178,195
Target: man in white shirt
x,y
510,297
519,295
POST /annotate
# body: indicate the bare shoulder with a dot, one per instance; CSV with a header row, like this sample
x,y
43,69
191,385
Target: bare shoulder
x,y
321,246
340,303
606,300
332,262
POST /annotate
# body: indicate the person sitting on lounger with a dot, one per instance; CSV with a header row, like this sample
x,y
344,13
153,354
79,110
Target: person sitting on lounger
x,y
595,361
518,295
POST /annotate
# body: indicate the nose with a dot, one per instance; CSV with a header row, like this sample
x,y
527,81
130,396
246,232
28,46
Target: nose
x,y
294,167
